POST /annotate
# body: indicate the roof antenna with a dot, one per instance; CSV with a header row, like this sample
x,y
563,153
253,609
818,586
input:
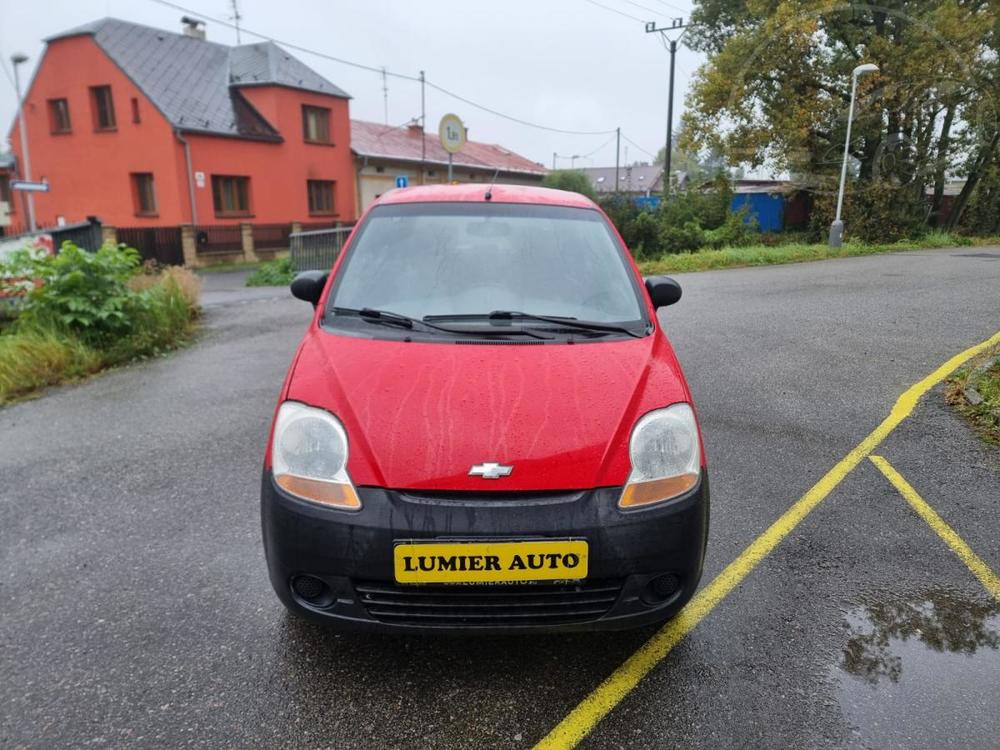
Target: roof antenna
x,y
236,18
489,190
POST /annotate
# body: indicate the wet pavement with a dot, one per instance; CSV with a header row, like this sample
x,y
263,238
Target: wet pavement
x,y
923,671
135,608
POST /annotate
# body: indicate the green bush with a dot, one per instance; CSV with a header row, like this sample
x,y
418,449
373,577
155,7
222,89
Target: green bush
x,y
570,179
81,311
682,238
878,212
81,292
277,272
735,231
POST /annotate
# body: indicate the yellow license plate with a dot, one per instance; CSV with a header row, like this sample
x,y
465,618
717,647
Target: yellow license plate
x,y
490,562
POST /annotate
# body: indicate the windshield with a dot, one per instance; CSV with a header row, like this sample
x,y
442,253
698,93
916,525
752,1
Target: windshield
x,y
461,259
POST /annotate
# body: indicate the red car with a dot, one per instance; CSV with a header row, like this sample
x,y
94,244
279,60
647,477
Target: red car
x,y
485,427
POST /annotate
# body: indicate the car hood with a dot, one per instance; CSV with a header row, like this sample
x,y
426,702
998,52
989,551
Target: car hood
x,y
420,415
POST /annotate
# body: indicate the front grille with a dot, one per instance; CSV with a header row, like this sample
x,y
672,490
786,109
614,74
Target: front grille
x,y
508,604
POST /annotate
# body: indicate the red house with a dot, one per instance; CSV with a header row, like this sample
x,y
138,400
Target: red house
x,y
142,127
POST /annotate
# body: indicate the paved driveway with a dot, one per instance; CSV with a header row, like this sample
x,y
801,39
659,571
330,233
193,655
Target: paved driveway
x,y
135,607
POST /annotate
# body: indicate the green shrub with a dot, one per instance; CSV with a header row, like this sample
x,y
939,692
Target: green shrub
x,y
570,179
735,231
277,272
644,231
88,310
878,212
682,238
84,293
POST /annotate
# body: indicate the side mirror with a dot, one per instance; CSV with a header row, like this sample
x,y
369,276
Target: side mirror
x,y
663,291
308,286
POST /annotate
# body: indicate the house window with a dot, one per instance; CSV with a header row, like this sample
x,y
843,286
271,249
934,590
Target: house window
x,y
231,195
135,111
315,124
144,194
104,108
320,196
5,191
59,116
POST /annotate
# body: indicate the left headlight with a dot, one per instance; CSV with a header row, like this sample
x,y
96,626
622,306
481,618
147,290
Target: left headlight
x,y
309,456
666,457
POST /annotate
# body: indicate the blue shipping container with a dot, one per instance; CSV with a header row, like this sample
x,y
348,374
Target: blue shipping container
x,y
768,210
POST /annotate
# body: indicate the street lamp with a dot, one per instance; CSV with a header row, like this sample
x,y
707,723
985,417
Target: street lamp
x,y
837,228
17,59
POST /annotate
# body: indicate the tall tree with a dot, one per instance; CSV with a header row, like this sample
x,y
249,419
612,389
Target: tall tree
x,y
776,87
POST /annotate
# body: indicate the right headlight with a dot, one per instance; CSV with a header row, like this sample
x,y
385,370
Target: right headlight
x,y
666,457
309,456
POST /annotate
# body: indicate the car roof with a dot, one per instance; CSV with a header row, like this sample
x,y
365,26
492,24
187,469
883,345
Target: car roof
x,y
475,192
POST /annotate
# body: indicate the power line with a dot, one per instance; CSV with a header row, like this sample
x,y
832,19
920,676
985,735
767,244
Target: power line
x,y
385,72
591,153
626,138
512,118
670,5
644,7
295,47
615,10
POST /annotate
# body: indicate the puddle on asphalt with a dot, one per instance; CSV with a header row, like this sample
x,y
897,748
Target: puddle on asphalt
x,y
923,672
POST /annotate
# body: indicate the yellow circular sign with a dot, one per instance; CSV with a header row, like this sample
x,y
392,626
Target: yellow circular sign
x,y
452,134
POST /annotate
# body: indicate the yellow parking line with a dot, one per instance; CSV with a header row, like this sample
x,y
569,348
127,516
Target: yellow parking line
x,y
582,719
972,561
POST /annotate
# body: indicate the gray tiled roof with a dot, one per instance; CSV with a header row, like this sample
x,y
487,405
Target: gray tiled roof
x,y
638,178
194,82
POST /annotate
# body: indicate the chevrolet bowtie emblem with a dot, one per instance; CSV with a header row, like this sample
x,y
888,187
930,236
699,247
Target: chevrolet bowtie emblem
x,y
490,470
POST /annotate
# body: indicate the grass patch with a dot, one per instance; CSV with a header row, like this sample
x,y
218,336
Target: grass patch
x,y
981,377
277,272
762,255
36,353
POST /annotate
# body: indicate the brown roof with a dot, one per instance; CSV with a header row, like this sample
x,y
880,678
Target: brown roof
x,y
402,143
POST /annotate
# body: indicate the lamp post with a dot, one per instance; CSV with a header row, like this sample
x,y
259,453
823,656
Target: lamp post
x,y
17,59
837,228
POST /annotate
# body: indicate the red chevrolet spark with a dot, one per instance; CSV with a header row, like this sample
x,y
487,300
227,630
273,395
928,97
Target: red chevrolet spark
x,y
485,427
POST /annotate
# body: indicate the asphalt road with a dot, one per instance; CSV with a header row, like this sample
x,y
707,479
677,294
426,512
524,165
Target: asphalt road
x,y
135,608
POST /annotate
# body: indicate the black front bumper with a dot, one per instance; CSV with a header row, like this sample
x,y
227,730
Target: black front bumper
x,y
352,553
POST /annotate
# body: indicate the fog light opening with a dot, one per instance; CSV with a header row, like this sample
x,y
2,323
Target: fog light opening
x,y
312,590
663,587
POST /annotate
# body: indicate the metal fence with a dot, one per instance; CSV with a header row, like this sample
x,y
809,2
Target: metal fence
x,y
271,236
219,238
162,244
318,249
85,234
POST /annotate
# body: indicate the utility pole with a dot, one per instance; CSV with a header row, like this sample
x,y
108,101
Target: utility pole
x,y
677,24
618,151
423,127
17,59
236,18
554,155
385,98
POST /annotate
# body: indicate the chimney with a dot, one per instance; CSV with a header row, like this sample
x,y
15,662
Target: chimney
x,y
193,27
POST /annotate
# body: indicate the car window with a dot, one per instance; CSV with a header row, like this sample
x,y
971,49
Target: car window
x,y
470,258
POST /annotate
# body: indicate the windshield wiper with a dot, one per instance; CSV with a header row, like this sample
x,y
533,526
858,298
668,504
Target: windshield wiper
x,y
566,322
387,317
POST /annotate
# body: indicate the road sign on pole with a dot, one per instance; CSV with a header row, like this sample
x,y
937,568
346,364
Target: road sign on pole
x,y
32,187
451,131
402,181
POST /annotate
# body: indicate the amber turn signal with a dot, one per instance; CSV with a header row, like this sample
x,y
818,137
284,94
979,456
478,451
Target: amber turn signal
x,y
326,493
657,490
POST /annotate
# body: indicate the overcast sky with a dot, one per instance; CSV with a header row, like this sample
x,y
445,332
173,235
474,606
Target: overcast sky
x,y
565,64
